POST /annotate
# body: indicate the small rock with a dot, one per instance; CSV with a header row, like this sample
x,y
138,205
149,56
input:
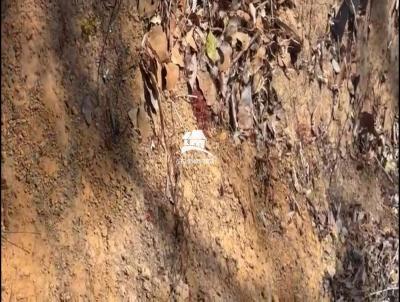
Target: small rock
x,y
104,231
126,271
182,291
65,297
145,272
147,285
87,110
74,110
331,270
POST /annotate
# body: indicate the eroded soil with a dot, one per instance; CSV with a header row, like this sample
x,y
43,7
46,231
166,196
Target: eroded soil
x,y
85,210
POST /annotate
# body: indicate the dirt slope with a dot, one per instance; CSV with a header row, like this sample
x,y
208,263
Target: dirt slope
x,y
86,214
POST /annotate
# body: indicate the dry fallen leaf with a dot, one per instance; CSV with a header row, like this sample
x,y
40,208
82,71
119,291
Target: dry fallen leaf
x,y
286,59
133,114
223,80
207,86
147,8
158,43
143,123
191,69
257,61
150,85
226,50
138,87
243,15
245,108
259,23
190,39
232,27
176,56
244,118
172,75
281,63
199,35
156,20
289,31
258,82
153,98
159,75
174,27
335,66
242,37
211,47
253,12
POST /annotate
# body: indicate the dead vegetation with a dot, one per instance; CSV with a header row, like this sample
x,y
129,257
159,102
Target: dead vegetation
x,y
289,114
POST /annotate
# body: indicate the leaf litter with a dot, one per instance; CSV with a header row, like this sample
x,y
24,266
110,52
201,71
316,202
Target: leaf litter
x,y
229,65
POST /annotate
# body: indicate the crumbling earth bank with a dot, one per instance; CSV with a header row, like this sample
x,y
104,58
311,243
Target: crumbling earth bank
x,y
301,203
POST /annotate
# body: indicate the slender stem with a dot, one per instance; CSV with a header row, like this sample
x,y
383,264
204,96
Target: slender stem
x,y
16,245
382,291
10,232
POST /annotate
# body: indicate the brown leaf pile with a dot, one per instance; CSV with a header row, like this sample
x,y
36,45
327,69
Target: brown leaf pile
x,y
227,52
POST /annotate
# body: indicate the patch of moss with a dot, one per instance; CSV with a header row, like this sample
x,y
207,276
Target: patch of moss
x,y
88,27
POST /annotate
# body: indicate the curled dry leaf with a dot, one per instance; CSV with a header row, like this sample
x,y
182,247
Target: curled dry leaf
x,y
207,86
176,56
253,12
158,43
226,50
172,75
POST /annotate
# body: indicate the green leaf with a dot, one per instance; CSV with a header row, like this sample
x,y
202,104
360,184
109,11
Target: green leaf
x,y
211,47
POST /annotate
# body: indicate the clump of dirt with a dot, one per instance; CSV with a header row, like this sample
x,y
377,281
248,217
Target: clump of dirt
x,y
100,203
